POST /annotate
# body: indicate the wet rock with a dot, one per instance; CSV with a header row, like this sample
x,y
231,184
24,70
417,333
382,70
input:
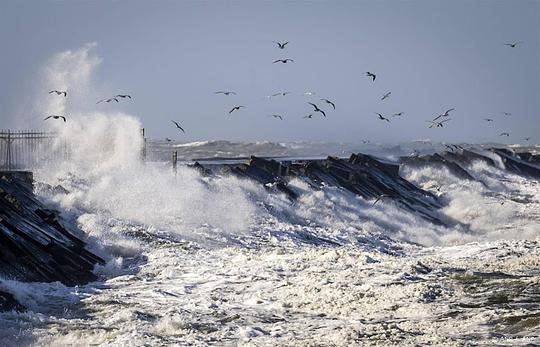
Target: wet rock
x,y
34,245
8,303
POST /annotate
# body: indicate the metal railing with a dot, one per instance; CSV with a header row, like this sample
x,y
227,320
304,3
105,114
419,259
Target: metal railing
x,y
24,150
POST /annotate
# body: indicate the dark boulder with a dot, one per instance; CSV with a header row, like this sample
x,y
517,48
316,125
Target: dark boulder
x,y
34,245
8,303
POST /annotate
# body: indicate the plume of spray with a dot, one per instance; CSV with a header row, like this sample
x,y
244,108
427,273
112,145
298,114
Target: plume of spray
x,y
105,150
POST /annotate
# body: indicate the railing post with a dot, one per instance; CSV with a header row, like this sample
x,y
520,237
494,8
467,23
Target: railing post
x,y
8,151
175,161
143,149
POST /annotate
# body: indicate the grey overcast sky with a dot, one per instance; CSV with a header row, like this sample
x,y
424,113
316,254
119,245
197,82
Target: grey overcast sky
x,y
172,55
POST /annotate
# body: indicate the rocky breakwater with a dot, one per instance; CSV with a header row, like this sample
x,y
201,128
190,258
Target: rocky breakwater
x,y
34,245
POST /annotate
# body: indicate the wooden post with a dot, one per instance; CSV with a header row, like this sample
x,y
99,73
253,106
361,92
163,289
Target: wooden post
x,y
175,161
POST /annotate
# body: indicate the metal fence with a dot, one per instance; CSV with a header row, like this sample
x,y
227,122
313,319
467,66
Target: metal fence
x,y
24,150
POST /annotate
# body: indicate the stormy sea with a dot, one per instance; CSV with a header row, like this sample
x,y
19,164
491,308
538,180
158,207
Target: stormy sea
x,y
286,244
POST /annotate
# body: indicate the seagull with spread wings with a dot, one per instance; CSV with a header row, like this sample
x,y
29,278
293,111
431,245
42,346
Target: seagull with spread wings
x,y
236,108
329,102
281,45
381,117
439,124
56,117
513,44
284,61
178,126
317,109
107,100
59,92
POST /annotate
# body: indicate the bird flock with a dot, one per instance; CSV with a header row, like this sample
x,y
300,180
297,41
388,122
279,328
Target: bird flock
x,y
438,121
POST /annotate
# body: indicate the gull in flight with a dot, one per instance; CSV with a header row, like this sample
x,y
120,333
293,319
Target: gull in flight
x,y
276,116
439,124
225,92
236,108
527,139
329,102
317,109
56,117
107,100
369,74
284,61
385,96
123,96
168,139
281,93
310,93
398,114
308,116
59,92
507,113
488,119
381,117
281,45
504,134
445,114
513,44
178,126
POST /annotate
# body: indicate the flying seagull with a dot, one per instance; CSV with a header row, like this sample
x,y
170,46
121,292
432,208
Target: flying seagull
x,y
380,197
317,109
365,141
507,113
445,114
504,134
513,44
168,139
276,116
309,93
59,92
488,119
107,100
329,102
281,45
527,139
178,126
56,117
386,95
381,117
439,124
235,108
369,74
398,114
225,92
123,96
308,116
284,61
281,93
